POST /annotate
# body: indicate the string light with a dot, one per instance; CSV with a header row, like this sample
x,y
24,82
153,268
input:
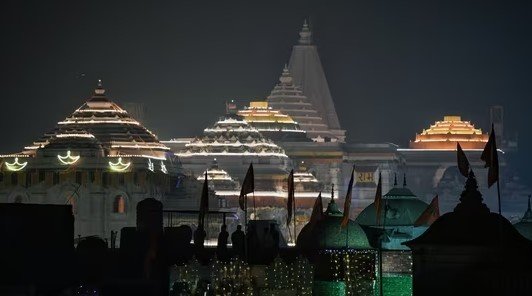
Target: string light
x,y
150,165
68,159
163,167
16,165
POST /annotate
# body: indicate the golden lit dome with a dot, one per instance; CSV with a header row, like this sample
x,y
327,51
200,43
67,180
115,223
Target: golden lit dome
x,y
444,135
260,112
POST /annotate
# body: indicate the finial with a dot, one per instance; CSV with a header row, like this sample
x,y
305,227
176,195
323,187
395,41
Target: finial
x,y
528,208
394,179
332,192
305,34
99,89
404,179
285,78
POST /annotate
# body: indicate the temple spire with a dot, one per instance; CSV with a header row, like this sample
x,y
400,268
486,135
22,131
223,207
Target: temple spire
x,y
99,88
305,34
394,179
404,179
285,78
471,198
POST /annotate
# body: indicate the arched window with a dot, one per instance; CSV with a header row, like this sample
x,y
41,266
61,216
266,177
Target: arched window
x,y
119,204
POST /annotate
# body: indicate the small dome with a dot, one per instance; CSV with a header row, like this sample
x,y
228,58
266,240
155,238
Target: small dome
x,y
329,234
403,209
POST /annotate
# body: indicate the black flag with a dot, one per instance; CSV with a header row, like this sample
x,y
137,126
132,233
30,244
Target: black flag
x,y
347,202
204,202
317,211
291,197
248,186
490,157
463,163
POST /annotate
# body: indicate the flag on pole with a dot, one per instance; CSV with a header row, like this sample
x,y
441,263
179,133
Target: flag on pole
x,y
490,157
317,210
378,200
204,202
291,197
347,202
463,163
430,214
248,186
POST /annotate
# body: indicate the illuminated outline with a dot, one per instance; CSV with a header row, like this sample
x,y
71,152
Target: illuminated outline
x,y
16,166
119,166
68,159
150,165
163,167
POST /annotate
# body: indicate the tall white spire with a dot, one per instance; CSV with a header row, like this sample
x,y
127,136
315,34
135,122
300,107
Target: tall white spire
x,y
307,73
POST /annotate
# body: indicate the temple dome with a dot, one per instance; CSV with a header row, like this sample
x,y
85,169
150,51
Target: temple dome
x,y
471,224
272,123
110,125
403,209
328,233
446,133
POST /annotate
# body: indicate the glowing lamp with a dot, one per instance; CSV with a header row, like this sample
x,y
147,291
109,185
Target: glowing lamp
x,y
119,166
68,159
16,165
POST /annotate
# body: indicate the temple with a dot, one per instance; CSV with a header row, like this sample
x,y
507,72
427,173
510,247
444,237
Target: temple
x,y
99,160
446,133
272,123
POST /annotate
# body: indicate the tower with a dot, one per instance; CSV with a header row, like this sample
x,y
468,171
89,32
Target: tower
x,y
307,72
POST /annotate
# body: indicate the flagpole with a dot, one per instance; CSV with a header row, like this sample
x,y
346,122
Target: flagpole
x,y
380,249
254,207
294,211
246,227
499,195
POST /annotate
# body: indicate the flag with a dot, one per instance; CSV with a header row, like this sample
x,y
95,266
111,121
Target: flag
x,y
490,157
248,186
204,202
317,210
347,202
430,214
291,197
378,200
463,163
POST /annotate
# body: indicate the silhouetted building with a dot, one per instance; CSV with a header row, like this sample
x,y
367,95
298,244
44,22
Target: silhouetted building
x,y
471,251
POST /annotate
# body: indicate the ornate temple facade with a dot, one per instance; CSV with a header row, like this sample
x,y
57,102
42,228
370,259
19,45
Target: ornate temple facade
x,y
101,161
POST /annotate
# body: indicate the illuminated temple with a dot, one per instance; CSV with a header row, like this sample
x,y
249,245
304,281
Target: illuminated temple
x,y
101,161
299,106
446,133
272,123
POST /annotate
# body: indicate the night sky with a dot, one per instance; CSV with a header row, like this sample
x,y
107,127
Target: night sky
x,y
393,67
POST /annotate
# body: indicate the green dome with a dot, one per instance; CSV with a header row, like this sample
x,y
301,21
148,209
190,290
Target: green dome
x,y
403,209
329,234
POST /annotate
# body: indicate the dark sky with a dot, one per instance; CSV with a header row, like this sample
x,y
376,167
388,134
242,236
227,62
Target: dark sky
x,y
393,67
